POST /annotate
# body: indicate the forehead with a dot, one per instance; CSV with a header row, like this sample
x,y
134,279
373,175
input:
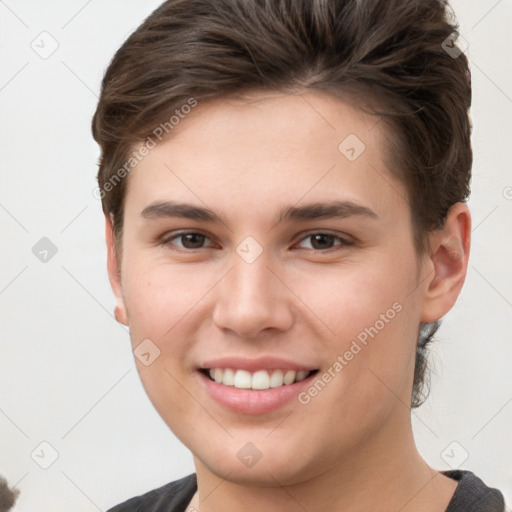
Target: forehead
x,y
268,149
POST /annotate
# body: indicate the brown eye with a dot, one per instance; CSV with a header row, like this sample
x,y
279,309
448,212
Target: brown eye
x,y
189,240
324,241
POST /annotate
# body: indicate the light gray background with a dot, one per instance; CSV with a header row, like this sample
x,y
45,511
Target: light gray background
x,y
67,375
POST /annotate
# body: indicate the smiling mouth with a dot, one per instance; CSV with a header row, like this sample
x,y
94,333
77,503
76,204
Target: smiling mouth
x,y
258,380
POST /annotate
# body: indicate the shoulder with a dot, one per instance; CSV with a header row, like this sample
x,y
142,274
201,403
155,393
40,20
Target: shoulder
x,y
473,495
172,497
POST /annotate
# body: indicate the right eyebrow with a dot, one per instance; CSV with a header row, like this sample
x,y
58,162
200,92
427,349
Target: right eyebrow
x,y
167,209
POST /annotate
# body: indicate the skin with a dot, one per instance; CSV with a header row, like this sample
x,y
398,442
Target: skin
x,y
351,447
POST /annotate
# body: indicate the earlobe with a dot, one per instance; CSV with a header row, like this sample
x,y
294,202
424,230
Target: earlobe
x,y
114,273
449,256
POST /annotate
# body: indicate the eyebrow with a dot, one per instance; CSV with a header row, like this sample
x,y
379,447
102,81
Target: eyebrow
x,y
312,211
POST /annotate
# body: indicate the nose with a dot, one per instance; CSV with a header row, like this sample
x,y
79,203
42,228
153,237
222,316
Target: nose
x,y
253,298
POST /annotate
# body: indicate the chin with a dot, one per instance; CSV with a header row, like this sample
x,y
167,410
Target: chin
x,y
261,464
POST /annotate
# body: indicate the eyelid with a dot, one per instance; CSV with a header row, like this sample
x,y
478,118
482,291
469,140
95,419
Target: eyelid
x,y
167,238
342,237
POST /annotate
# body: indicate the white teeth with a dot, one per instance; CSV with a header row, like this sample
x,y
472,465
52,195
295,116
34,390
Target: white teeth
x,y
289,377
242,379
217,375
261,379
229,377
276,380
301,375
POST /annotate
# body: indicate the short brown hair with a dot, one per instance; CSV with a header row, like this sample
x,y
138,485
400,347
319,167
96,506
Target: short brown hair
x,y
388,57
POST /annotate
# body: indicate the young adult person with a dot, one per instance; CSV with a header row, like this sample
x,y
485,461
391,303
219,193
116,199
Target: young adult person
x,y
284,187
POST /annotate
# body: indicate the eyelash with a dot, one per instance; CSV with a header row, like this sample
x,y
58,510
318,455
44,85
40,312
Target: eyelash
x,y
343,241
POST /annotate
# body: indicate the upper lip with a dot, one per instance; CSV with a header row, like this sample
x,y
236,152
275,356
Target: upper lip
x,y
254,364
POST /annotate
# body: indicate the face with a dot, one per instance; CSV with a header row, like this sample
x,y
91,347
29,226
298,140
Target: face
x,y
267,244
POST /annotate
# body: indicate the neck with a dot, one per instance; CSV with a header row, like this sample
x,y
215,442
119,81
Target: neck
x,y
385,473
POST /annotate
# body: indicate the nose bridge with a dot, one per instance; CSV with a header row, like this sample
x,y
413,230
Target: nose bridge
x,y
252,281
252,298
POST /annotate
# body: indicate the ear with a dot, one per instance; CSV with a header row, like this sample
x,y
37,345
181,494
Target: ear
x,y
114,272
447,263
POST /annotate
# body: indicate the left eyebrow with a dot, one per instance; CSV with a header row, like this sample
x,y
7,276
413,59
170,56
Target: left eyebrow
x,y
326,210
312,211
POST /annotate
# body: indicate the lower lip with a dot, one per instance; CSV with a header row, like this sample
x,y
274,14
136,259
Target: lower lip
x,y
248,401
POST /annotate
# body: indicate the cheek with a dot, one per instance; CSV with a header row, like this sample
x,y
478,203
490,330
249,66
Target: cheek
x,y
158,304
161,300
370,375
159,296
360,301
373,317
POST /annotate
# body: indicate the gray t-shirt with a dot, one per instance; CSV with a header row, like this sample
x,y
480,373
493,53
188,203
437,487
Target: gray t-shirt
x,y
471,495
